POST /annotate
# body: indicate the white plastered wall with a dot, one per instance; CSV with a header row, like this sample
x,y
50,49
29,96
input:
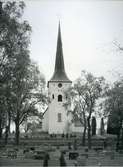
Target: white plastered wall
x,y
56,107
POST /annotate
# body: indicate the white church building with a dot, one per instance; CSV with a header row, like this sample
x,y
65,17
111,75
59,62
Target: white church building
x,y
55,118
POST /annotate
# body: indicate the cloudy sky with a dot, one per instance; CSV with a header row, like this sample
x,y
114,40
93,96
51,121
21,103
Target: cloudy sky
x,y
88,28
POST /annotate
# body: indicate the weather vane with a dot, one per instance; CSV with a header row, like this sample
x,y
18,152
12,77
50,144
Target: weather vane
x,y
59,17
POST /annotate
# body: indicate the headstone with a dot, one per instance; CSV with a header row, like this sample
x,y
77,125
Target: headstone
x,y
46,159
67,135
62,160
73,155
62,135
69,146
75,144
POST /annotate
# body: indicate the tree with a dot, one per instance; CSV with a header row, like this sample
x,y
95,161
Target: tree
x,y
94,89
102,127
85,92
29,93
13,32
114,107
2,121
76,106
32,126
8,17
20,79
93,126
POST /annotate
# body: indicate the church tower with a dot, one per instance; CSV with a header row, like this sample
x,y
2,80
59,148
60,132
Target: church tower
x,y
57,118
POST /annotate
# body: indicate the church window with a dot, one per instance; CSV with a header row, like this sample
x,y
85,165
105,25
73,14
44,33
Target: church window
x,y
53,96
59,97
59,85
59,117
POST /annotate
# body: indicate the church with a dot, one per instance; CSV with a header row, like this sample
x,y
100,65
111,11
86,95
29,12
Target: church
x,y
55,118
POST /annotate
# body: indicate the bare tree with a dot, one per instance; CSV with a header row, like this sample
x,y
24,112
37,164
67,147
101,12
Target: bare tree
x,y
85,92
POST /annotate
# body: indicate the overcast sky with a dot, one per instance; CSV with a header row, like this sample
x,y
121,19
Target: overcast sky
x,y
88,30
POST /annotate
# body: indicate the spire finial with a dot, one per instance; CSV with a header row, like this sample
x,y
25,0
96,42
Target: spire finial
x,y
59,30
59,24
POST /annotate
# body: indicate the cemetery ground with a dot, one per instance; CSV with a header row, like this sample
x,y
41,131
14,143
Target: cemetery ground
x,y
31,152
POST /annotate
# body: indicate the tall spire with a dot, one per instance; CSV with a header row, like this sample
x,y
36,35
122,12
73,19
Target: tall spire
x,y
59,72
59,64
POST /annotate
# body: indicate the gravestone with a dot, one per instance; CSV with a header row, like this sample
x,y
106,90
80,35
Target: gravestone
x,y
73,155
69,146
75,144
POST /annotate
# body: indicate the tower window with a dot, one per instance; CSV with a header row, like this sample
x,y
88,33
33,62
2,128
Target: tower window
x,y
59,117
59,85
53,96
59,97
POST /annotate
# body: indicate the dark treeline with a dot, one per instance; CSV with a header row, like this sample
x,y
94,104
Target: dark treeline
x,y
21,84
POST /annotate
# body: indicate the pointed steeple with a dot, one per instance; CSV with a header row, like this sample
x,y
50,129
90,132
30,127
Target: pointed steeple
x,y
59,64
59,72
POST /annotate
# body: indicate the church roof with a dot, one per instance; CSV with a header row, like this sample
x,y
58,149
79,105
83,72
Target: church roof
x,y
59,72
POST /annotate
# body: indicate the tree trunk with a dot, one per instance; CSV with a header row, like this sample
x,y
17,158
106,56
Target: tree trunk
x,y
89,133
122,137
9,122
93,126
1,132
6,134
83,137
118,142
1,129
17,130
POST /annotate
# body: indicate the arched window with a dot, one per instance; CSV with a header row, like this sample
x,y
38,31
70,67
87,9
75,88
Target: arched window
x,y
53,96
59,97
59,117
